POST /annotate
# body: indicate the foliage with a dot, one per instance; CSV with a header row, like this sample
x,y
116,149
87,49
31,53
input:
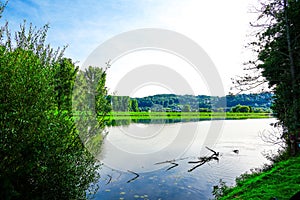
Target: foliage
x,y
220,189
120,103
90,92
65,74
186,108
134,106
240,108
279,181
171,102
277,50
280,59
42,155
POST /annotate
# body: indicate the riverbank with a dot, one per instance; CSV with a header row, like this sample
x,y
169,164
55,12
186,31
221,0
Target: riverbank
x,y
281,181
185,115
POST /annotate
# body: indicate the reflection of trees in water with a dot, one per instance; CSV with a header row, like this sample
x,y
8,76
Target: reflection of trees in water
x,y
91,133
126,122
119,122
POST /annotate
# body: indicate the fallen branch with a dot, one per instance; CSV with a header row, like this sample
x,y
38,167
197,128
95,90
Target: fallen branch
x,y
174,165
203,160
136,176
215,153
196,167
109,180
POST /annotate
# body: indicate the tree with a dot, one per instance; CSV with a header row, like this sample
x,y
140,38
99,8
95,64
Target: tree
x,y
121,103
42,155
166,103
278,59
102,99
96,91
186,108
134,107
240,108
64,82
281,61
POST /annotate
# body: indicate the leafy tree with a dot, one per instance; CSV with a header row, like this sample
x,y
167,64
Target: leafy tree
x,y
121,103
186,108
42,155
166,104
102,99
240,108
64,82
278,59
280,62
97,95
134,107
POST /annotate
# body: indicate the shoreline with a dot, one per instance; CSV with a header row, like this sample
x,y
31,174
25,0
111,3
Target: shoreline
x,y
185,115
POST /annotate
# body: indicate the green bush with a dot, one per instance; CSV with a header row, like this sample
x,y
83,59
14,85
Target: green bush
x,y
42,155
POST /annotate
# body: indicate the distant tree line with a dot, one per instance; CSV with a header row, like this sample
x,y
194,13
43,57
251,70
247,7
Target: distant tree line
x,y
186,103
123,104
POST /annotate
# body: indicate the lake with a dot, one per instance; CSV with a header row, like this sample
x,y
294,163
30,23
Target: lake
x,y
151,161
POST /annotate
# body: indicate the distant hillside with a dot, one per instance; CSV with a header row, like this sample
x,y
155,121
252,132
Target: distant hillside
x,y
171,102
177,103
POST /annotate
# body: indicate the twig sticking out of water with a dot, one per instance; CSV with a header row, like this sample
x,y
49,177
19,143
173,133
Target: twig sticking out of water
x,y
203,160
200,160
109,180
215,153
136,176
173,165
196,166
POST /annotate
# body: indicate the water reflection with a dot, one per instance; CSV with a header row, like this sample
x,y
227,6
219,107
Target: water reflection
x,y
173,177
126,122
120,122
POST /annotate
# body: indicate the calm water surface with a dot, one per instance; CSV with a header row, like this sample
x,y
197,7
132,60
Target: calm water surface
x,y
137,148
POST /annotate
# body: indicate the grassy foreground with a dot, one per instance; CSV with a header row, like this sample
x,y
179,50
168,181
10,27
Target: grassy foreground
x,y
280,182
184,115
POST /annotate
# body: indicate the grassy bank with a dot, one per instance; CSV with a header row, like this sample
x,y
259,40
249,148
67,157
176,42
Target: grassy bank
x,y
184,115
281,181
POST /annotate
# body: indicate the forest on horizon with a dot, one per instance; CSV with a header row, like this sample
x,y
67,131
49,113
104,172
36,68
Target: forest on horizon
x,y
261,102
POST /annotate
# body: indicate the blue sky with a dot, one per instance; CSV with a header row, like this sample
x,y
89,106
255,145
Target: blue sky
x,y
83,24
219,27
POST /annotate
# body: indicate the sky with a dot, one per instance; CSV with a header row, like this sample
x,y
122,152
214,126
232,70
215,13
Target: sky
x,y
220,28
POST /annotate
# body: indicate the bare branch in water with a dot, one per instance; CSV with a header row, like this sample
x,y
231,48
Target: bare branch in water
x,y
215,153
196,167
205,159
109,180
173,165
136,176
